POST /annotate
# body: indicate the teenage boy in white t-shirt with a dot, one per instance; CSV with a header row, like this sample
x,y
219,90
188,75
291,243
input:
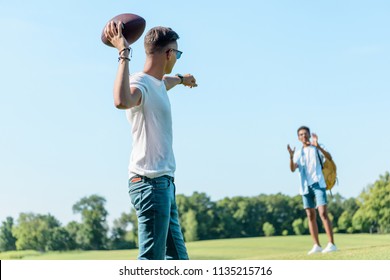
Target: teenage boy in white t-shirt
x,y
152,162
313,186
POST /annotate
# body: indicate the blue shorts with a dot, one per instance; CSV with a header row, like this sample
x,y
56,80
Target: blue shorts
x,y
316,197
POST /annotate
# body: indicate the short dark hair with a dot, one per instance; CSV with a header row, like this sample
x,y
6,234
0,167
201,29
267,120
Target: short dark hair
x,y
303,127
159,37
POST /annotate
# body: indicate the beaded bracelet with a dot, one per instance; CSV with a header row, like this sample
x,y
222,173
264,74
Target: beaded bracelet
x,y
124,58
128,49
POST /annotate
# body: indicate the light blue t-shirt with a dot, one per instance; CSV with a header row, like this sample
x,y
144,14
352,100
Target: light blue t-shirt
x,y
309,167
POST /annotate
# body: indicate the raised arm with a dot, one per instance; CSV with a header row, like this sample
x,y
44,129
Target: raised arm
x,y
124,96
172,81
315,144
293,165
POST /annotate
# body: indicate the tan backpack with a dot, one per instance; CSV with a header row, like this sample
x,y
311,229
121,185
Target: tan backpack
x,y
329,170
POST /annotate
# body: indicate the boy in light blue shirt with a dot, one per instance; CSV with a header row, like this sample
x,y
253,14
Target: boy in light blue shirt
x,y
309,160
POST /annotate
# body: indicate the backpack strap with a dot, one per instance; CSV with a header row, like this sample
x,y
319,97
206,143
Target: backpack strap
x,y
319,158
322,167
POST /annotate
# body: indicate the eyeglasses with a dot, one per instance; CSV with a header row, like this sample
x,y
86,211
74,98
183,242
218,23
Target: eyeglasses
x,y
178,53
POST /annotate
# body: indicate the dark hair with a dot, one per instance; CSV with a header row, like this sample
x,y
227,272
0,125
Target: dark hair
x,y
303,127
159,37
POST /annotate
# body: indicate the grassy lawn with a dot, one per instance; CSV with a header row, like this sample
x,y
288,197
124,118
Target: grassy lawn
x,y
351,247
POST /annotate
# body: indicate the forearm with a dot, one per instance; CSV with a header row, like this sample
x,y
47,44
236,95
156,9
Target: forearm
x,y
122,96
171,81
292,165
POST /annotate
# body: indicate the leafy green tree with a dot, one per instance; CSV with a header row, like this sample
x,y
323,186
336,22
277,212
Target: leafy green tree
x,y
296,207
268,229
7,239
374,205
335,205
298,226
205,213
94,229
227,224
350,205
251,214
190,224
331,218
35,231
204,209
121,236
279,212
76,240
344,222
60,240
360,222
132,235
240,216
350,230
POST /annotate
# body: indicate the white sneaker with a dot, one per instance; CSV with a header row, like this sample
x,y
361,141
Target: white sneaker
x,y
329,248
315,249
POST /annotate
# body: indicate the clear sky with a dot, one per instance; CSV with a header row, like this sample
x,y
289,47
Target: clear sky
x,y
264,68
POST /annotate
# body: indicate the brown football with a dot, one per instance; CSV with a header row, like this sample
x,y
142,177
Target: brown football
x,y
133,27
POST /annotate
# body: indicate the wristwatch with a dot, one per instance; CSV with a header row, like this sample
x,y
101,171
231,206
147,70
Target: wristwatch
x,y
181,78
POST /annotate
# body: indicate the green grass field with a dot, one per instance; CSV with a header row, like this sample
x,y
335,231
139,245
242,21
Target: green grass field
x,y
351,247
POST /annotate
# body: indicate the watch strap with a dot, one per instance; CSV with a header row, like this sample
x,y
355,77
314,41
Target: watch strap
x,y
181,78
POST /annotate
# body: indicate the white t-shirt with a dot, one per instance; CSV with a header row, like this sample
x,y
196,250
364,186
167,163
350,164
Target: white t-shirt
x,y
152,153
309,168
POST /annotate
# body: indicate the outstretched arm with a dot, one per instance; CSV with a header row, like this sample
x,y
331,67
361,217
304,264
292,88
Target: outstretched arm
x,y
172,81
124,96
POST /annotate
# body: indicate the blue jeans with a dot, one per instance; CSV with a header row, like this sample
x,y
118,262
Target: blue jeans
x,y
315,197
159,233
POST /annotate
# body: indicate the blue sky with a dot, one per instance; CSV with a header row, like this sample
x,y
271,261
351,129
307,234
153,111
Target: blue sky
x,y
263,68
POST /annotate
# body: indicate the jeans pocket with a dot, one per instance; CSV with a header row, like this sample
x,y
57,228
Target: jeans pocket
x,y
142,199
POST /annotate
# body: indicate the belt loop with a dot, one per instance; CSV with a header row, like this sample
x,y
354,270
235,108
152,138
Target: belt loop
x,y
170,178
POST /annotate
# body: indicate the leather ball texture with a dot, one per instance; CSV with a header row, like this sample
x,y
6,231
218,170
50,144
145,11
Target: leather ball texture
x,y
133,27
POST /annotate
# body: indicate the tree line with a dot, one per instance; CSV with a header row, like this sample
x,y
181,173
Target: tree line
x,y
201,219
